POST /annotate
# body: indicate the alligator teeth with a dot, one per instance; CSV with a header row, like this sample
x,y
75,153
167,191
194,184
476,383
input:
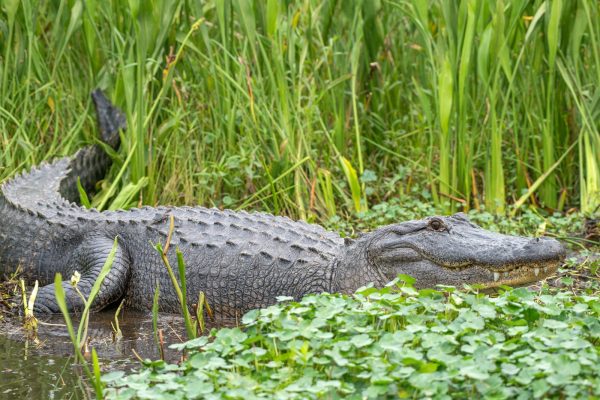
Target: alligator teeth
x,y
506,274
536,271
545,269
496,276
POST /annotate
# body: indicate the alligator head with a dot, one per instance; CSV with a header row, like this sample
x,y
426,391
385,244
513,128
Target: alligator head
x,y
452,251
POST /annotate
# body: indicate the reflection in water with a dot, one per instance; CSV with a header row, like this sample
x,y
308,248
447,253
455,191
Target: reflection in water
x,y
26,374
47,371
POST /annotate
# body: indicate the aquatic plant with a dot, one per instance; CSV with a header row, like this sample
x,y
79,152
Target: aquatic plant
x,y
396,342
80,338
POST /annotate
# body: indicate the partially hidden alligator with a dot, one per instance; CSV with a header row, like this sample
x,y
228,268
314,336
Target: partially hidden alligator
x,y
240,260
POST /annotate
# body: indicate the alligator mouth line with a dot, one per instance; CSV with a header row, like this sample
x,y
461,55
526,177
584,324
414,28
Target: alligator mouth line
x,y
519,275
536,267
488,275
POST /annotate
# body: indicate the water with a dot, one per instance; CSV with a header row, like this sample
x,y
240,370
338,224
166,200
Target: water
x,y
26,374
48,370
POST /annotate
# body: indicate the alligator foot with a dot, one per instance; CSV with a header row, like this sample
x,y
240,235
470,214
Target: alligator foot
x,y
88,260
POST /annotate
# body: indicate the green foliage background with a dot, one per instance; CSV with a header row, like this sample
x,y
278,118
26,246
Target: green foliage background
x,y
313,108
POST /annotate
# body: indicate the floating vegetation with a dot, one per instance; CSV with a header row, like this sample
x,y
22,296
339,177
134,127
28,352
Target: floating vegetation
x,y
396,342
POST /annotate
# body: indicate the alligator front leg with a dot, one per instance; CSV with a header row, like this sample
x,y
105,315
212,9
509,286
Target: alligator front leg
x,y
88,260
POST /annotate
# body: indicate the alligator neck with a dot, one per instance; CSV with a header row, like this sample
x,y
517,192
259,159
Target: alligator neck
x,y
354,271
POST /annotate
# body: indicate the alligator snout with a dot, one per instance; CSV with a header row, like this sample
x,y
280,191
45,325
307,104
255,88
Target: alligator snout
x,y
545,248
543,239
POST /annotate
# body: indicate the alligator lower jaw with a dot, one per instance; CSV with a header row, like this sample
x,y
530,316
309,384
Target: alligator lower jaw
x,y
428,275
520,275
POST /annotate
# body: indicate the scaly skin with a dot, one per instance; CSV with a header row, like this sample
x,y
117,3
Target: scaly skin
x,y
239,260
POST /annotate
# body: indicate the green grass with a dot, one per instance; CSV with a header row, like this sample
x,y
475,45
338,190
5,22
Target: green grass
x,y
295,107
390,343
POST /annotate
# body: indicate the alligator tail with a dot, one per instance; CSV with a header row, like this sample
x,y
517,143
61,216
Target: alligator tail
x,y
91,163
110,119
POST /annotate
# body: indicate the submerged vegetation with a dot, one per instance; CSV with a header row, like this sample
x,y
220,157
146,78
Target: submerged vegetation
x,y
314,108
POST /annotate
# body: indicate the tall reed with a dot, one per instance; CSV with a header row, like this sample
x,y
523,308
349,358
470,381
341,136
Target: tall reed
x,y
294,107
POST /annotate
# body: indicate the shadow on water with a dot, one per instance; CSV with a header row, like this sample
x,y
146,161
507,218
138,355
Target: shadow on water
x,y
47,370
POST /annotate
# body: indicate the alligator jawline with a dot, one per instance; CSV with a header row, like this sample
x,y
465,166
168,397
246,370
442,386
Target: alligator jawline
x,y
517,275
501,274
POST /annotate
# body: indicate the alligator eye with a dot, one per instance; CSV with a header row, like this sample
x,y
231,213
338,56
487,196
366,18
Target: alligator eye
x,y
437,225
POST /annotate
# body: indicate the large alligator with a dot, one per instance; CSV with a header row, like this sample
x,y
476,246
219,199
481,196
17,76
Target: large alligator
x,y
239,260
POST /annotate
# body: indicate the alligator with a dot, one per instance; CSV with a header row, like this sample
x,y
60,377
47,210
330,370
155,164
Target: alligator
x,y
240,260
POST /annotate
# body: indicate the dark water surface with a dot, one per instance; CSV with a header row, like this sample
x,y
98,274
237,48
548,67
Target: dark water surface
x,y
25,374
48,370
